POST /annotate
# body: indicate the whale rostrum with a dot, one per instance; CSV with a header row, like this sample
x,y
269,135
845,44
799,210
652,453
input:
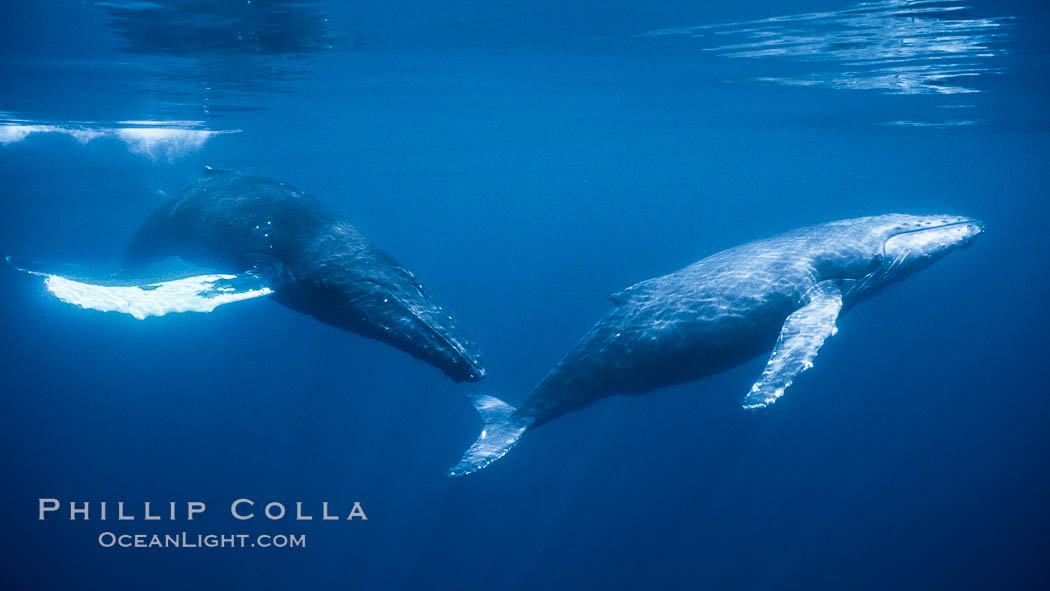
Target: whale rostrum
x,y
782,294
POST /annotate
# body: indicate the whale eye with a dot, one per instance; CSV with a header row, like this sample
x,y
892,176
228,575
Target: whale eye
x,y
876,262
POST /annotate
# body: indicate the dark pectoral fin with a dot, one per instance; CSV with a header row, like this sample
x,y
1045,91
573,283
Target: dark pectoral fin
x,y
34,267
804,331
269,270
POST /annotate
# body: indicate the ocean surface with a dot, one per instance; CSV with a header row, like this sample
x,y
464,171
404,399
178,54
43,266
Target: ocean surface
x,y
525,160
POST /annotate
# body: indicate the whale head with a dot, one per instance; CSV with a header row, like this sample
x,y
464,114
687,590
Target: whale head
x,y
902,245
403,315
387,303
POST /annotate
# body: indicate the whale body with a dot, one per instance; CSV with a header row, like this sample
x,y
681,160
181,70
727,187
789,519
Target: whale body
x,y
266,238
782,294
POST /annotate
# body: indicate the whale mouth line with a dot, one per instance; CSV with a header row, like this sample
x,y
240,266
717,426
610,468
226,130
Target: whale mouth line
x,y
419,313
968,222
891,263
416,313
979,225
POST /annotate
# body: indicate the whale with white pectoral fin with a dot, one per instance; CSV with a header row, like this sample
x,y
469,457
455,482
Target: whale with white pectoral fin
x,y
263,238
782,294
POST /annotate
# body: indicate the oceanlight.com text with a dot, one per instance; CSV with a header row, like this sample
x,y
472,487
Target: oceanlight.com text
x,y
192,541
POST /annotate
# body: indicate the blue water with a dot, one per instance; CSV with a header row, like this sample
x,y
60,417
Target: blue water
x,y
526,160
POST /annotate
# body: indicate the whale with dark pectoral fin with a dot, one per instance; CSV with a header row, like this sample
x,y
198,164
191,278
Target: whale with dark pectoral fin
x,y
782,294
264,238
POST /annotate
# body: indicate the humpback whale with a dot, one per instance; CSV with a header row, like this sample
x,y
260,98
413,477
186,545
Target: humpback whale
x,y
782,294
266,238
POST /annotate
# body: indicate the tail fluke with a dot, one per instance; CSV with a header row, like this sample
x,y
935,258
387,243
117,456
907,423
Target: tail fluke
x,y
499,434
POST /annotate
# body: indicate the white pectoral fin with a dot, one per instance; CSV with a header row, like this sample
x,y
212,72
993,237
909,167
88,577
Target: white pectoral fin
x,y
805,330
202,293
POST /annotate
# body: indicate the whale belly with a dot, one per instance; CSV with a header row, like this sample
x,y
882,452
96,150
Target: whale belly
x,y
638,349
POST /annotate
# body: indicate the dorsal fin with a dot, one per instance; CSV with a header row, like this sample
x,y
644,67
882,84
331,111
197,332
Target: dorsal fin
x,y
623,295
